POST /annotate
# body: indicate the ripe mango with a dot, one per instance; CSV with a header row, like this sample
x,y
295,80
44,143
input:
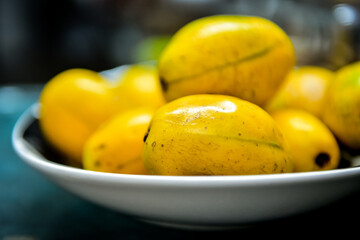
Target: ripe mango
x,y
243,56
116,146
312,145
138,86
303,88
214,135
72,105
342,109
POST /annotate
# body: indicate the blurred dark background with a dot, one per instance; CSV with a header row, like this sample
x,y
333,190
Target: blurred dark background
x,y
40,38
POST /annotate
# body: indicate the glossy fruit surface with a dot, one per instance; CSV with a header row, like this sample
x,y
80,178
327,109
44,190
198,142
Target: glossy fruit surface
x,y
304,88
116,146
242,56
72,105
312,145
214,135
138,86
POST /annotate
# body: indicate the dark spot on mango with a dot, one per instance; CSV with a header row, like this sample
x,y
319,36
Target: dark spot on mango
x,y
275,167
253,93
146,134
153,144
322,159
164,84
101,146
162,145
97,163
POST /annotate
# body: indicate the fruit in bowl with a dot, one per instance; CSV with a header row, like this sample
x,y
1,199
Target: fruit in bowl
x,y
243,56
74,103
116,146
342,109
207,96
303,88
214,135
198,134
312,145
139,86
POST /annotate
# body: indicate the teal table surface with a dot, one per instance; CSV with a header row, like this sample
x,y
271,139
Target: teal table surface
x,y
32,207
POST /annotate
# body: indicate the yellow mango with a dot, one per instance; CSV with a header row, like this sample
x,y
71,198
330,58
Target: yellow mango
x,y
116,146
214,135
72,105
312,145
241,56
304,88
139,86
342,108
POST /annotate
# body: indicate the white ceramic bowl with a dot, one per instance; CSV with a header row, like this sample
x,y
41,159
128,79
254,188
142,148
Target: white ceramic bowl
x,y
195,201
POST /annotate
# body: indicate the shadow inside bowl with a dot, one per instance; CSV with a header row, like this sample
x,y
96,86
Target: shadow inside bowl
x,y
36,139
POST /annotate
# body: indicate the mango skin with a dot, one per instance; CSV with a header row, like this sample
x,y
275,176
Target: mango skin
x,y
72,105
342,109
116,146
75,102
214,135
312,145
139,86
303,88
243,56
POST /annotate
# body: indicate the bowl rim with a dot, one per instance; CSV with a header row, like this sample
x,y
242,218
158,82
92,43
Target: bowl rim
x,y
28,154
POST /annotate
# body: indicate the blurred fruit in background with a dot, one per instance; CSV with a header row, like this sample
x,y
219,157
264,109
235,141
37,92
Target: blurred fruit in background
x,y
139,85
75,102
342,108
116,146
312,145
304,88
72,105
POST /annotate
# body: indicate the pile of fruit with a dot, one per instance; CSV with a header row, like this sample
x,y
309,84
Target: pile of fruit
x,y
224,98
